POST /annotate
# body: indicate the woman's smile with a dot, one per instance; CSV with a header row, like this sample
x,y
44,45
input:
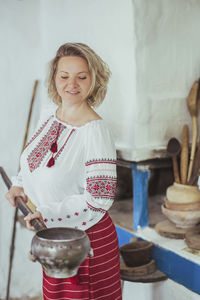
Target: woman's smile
x,y
72,93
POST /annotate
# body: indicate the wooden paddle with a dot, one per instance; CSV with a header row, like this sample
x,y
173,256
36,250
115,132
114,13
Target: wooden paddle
x,y
193,110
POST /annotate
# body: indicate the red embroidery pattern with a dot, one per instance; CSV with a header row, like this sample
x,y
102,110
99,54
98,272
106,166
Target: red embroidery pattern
x,y
36,156
100,161
38,132
95,208
102,186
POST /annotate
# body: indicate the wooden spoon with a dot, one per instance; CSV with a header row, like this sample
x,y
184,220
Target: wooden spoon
x,y
184,154
173,149
193,110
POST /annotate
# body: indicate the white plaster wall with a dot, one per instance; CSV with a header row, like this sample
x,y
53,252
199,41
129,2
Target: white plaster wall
x,y
168,62
107,26
20,66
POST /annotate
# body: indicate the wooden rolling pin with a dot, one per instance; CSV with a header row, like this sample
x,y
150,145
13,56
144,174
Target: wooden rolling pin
x,y
184,154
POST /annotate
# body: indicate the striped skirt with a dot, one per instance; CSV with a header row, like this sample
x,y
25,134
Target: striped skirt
x,y
98,277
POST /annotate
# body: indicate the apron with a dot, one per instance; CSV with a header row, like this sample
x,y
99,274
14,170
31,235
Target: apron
x,y
98,277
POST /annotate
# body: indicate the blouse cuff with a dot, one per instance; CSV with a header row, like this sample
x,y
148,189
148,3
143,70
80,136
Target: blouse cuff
x,y
17,181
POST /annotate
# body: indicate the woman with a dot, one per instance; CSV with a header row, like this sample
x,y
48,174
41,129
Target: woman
x,y
68,169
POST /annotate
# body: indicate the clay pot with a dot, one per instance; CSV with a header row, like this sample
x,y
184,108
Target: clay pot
x,y
182,219
60,250
182,206
136,253
181,193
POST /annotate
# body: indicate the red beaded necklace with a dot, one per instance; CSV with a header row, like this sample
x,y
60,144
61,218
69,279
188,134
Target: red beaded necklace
x,y
54,148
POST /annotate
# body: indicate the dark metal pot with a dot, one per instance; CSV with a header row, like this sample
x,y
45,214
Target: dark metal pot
x,y
60,250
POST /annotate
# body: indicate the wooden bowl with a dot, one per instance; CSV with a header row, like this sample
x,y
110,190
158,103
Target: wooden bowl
x,y
182,219
182,206
136,253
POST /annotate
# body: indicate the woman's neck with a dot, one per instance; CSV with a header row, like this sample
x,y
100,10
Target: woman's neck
x,y
73,114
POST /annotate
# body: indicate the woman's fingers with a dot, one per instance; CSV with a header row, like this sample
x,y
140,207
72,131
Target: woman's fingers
x,y
10,198
15,192
30,217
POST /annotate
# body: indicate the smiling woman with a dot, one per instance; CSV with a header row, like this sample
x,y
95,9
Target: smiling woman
x,y
68,169
73,80
98,69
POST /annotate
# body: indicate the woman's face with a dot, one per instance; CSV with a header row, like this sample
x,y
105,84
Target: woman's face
x,y
73,79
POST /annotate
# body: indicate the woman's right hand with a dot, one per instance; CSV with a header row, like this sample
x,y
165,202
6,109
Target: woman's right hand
x,y
15,191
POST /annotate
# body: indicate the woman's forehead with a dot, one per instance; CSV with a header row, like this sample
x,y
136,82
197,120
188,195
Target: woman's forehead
x,y
72,64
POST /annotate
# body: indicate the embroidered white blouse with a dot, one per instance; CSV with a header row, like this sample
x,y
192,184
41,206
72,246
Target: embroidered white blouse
x,y
80,187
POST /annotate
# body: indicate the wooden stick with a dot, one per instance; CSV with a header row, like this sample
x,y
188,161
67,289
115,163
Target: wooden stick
x,y
184,155
193,149
21,204
12,247
30,113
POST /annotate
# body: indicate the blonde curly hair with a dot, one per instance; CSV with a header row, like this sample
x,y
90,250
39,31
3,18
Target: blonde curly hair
x,y
99,71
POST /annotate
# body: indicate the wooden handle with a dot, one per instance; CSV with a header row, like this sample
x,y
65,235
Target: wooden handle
x,y
30,113
21,204
193,148
184,155
23,207
196,167
6,180
192,99
175,168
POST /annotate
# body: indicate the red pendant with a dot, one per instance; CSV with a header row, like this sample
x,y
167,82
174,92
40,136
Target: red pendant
x,y
50,162
54,147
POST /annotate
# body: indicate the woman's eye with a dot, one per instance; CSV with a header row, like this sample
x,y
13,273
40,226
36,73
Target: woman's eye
x,y
82,78
64,77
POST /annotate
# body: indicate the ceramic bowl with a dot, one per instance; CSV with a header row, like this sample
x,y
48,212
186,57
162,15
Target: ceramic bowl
x,y
136,253
182,219
181,193
182,206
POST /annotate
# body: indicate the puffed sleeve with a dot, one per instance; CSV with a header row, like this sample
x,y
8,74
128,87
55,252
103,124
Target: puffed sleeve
x,y
85,210
100,168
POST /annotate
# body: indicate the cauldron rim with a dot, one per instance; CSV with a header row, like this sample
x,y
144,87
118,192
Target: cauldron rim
x,y
82,234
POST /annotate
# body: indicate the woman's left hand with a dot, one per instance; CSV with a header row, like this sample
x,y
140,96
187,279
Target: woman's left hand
x,y
30,217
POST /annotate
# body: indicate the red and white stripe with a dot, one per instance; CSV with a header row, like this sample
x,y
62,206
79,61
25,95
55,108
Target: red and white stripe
x,y
98,276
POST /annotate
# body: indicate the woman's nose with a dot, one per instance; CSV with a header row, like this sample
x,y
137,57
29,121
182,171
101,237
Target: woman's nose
x,y
72,82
